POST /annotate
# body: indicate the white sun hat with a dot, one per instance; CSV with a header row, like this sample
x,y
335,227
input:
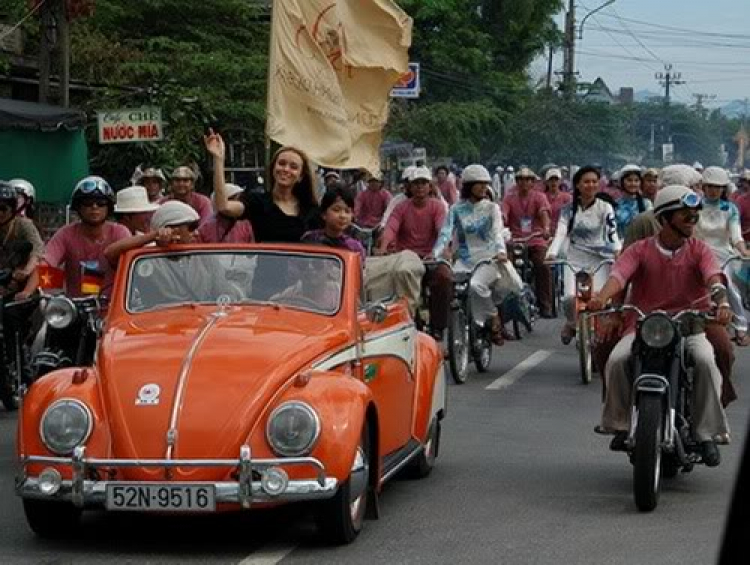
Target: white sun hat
x,y
231,190
173,213
134,200
421,173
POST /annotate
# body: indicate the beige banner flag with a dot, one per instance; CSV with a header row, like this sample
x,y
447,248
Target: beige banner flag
x,y
332,66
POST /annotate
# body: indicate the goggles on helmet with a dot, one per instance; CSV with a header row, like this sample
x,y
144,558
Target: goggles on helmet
x,y
692,200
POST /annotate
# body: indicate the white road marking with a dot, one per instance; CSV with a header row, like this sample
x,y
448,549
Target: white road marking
x,y
520,370
268,555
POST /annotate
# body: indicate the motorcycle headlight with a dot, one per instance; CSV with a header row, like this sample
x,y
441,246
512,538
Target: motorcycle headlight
x,y
60,312
293,429
65,425
657,331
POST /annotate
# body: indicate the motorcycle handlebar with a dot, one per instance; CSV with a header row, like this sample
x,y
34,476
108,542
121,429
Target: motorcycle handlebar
x,y
733,259
447,263
630,308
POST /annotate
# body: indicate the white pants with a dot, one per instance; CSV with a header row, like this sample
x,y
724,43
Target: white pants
x,y
734,298
485,292
710,418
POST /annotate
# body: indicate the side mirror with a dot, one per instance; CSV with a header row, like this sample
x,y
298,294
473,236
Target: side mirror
x,y
376,313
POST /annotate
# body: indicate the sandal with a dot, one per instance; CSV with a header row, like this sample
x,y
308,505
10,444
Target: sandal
x,y
567,334
742,339
496,331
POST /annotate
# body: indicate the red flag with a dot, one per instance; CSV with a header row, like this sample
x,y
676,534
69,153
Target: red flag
x,y
50,278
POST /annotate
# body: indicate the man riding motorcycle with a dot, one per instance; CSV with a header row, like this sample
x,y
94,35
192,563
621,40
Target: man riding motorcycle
x,y
78,248
694,275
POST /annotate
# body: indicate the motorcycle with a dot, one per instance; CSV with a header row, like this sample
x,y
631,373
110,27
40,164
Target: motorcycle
x,y
586,327
661,439
468,339
521,309
69,333
15,372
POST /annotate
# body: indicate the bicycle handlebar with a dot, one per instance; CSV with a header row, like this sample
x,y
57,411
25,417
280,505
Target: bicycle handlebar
x,y
527,238
590,272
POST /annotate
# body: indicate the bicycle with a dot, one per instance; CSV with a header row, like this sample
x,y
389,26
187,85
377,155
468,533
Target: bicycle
x,y
586,326
742,278
366,236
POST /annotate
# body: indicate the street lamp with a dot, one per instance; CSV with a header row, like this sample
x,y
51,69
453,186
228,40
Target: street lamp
x,y
591,13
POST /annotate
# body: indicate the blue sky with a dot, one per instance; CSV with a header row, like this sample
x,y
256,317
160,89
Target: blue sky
x,y
707,41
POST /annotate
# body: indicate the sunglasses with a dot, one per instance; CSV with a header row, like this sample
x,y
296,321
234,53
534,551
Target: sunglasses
x,y
92,203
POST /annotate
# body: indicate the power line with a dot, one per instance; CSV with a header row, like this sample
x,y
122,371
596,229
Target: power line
x,y
679,30
33,11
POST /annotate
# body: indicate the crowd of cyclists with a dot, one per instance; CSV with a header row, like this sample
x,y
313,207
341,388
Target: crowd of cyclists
x,y
413,238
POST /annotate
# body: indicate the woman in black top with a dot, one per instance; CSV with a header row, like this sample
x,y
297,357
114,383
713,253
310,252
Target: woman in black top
x,y
284,214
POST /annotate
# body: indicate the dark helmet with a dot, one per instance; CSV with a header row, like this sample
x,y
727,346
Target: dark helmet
x,y
92,187
8,195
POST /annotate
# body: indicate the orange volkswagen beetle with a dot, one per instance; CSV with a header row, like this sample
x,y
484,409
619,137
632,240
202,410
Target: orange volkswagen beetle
x,y
234,377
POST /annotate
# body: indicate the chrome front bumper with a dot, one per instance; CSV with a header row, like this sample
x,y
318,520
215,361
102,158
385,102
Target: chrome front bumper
x,y
84,492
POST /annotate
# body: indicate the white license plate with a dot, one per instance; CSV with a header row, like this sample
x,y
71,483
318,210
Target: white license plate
x,y
161,497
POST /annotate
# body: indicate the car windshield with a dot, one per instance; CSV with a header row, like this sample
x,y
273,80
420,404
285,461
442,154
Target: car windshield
x,y
308,282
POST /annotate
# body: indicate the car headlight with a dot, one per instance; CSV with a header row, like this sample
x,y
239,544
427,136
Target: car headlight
x,y
60,312
65,425
657,331
292,430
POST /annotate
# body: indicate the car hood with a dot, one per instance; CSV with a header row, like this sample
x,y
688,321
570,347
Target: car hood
x,y
210,378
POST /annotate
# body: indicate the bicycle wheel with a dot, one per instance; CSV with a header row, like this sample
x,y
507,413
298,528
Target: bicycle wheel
x,y
584,349
458,345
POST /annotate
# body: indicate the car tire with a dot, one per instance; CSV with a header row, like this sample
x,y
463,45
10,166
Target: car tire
x,y
52,520
341,518
423,463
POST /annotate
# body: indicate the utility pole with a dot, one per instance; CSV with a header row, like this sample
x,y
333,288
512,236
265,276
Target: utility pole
x,y
569,46
668,79
54,51
549,68
46,44
699,98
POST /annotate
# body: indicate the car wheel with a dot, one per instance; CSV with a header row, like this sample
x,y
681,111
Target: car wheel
x,y
341,518
51,519
423,464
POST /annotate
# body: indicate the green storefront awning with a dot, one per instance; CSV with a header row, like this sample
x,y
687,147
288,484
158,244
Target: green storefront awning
x,y
45,145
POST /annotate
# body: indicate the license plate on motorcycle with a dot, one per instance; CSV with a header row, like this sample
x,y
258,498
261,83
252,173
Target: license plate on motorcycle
x,y
160,497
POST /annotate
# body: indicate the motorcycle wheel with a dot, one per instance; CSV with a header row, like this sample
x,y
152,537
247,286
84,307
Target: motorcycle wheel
x,y
584,350
483,355
647,453
458,346
8,392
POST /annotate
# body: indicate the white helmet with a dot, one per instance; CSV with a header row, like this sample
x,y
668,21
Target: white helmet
x,y
24,187
715,176
475,173
675,197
